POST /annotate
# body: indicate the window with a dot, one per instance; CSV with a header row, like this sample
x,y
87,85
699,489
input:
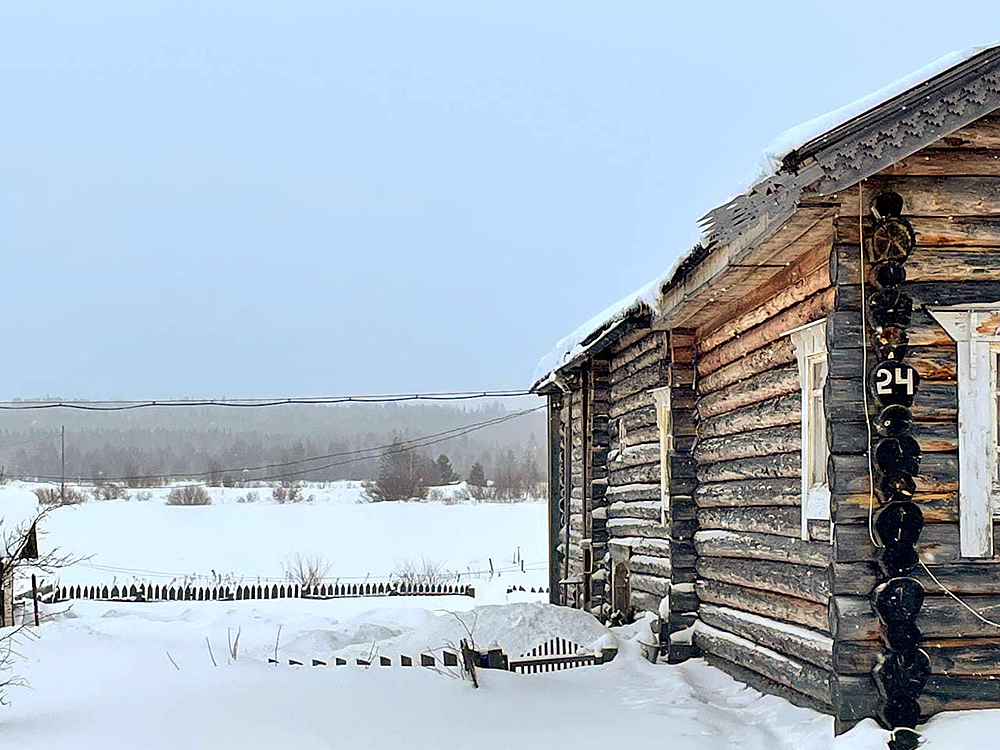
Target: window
x,y
810,351
976,330
665,423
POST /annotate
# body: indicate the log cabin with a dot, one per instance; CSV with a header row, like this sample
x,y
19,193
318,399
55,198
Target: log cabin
x,y
787,445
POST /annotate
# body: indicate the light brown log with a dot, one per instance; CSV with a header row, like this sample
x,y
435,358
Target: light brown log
x,y
748,444
753,546
848,475
764,467
935,231
801,581
798,643
957,265
654,376
781,410
811,309
750,492
983,133
852,437
853,507
946,162
765,603
939,617
789,287
933,196
800,676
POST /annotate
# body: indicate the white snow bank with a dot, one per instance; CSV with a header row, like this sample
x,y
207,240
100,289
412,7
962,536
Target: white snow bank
x,y
18,505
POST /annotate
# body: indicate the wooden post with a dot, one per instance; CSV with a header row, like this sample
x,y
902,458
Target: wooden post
x,y
34,596
554,481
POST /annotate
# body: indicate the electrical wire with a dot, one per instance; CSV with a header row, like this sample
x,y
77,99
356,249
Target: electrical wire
x,y
362,454
864,366
948,591
257,403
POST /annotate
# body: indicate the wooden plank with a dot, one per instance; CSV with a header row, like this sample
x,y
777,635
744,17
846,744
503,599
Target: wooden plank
x,y
766,385
756,546
748,444
983,133
801,581
763,467
791,640
765,603
782,669
948,162
771,491
775,354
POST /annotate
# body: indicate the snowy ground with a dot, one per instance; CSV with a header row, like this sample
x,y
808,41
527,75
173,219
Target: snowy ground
x,y
103,675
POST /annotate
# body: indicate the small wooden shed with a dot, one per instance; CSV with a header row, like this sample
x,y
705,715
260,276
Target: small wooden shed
x,y
787,445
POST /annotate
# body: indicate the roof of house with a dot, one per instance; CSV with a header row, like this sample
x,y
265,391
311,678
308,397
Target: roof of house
x,y
18,508
821,156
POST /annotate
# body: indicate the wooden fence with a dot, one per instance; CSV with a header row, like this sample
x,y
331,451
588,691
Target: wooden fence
x,y
149,592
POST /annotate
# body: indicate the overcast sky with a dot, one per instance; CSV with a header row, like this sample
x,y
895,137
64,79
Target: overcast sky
x,y
301,198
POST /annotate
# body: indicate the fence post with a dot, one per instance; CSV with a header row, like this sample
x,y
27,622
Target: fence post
x,y
34,596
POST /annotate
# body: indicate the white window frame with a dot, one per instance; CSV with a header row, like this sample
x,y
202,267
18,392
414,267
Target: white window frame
x,y
810,347
976,331
664,421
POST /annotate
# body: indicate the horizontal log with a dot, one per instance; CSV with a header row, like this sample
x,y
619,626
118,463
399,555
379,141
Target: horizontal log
x,y
848,475
946,693
765,685
931,362
853,619
983,133
784,670
632,492
749,492
766,385
631,403
634,346
644,360
811,309
780,520
843,331
844,401
941,507
937,162
775,354
801,581
744,315
650,584
641,546
853,437
643,601
935,231
748,444
775,412
936,196
951,293
642,509
763,467
966,657
629,527
654,376
647,473
765,603
644,417
859,578
791,640
650,565
937,265
756,546
939,543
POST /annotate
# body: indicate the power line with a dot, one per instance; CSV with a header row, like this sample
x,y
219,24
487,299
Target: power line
x,y
257,403
361,454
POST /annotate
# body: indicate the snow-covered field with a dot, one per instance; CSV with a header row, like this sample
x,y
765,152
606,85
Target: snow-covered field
x,y
119,675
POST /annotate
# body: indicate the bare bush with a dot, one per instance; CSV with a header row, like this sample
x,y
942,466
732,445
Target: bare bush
x,y
251,497
143,496
427,572
109,491
49,496
307,570
193,494
290,492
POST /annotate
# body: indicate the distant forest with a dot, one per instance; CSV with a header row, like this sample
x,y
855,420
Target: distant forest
x,y
215,444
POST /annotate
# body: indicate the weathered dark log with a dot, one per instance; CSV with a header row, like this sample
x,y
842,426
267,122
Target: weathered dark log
x,y
765,603
811,309
749,545
748,444
937,231
643,601
642,509
636,455
654,376
983,133
937,265
650,584
779,520
767,385
938,544
644,417
644,360
931,362
782,410
632,492
848,475
750,492
762,467
852,618
934,196
784,670
635,345
858,579
799,643
938,401
850,508
765,685
950,293
801,581
623,527
979,657
843,331
651,566
769,357
947,693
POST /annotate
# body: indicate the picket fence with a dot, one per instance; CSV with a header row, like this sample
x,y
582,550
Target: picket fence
x,y
150,592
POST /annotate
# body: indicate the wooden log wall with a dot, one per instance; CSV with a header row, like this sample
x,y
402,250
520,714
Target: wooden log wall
x,y
764,592
596,428
951,195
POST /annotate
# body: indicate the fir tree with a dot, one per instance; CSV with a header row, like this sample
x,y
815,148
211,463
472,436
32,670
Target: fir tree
x,y
446,474
477,477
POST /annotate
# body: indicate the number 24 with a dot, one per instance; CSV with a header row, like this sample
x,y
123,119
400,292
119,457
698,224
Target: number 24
x,y
884,382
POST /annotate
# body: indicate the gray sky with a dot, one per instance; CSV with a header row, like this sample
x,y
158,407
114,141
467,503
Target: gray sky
x,y
291,198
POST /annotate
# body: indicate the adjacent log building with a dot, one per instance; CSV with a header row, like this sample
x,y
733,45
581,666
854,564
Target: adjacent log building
x,y
712,438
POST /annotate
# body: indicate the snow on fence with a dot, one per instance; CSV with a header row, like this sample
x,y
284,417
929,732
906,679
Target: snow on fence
x,y
149,592
532,590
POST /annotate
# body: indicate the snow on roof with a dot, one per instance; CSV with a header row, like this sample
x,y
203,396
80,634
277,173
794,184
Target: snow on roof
x,y
572,346
18,506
